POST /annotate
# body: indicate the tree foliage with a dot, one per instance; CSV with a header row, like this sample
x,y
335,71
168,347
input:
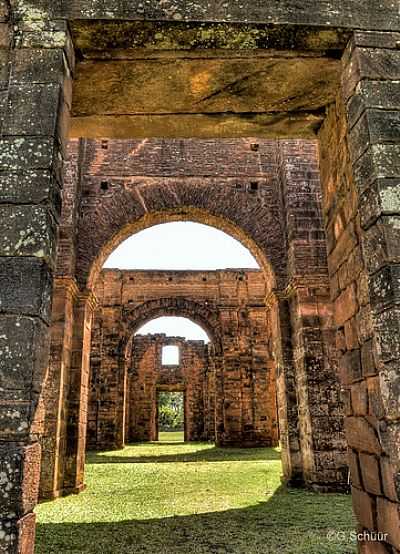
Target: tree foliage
x,y
170,411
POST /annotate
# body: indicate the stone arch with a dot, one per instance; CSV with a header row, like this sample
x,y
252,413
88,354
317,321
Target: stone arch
x,y
131,206
203,314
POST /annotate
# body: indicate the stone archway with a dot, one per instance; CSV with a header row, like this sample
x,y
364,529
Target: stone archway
x,y
37,47
110,379
115,207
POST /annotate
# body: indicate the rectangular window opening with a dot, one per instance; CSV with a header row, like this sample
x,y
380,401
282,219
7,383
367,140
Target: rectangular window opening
x,y
170,355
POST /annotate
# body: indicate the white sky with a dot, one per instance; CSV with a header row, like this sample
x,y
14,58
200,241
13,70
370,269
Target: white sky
x,y
174,327
180,245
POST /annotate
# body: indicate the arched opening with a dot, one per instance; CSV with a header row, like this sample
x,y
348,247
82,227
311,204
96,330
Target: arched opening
x,y
181,245
168,397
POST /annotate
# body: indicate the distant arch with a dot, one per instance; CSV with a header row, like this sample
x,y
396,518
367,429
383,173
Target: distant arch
x,y
204,315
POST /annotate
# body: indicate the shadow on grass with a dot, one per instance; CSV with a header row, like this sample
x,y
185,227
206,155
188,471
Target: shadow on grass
x,y
211,454
290,522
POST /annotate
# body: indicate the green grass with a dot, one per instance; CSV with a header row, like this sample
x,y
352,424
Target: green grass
x,y
176,498
172,436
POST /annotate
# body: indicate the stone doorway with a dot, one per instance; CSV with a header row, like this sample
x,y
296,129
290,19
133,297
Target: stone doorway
x,y
174,423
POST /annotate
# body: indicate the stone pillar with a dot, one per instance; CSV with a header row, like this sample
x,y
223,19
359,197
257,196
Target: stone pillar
x,y
146,353
55,395
320,409
244,390
281,337
35,71
209,395
78,393
367,294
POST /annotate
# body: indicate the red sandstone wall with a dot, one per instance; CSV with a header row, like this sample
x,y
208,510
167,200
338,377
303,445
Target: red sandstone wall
x,y
236,321
147,376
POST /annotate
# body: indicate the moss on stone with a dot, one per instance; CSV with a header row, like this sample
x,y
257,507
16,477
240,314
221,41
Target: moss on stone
x,y
100,35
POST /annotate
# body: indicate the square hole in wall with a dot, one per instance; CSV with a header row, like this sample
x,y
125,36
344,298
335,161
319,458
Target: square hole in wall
x,y
170,355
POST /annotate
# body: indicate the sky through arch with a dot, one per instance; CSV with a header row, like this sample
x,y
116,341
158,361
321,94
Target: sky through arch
x,y
173,326
180,246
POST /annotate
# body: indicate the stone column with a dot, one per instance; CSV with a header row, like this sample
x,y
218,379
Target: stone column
x,y
55,394
78,393
281,338
367,300
36,62
320,409
209,395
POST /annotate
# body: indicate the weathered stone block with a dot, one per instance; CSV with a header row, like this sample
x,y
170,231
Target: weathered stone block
x,y
388,479
346,243
374,39
376,407
21,295
27,231
381,198
44,65
350,366
346,305
381,95
390,389
19,154
20,467
389,520
385,287
382,243
362,436
365,324
359,398
351,335
335,13
352,457
368,358
15,418
370,473
374,127
388,336
31,187
380,161
364,508
24,351
370,63
32,110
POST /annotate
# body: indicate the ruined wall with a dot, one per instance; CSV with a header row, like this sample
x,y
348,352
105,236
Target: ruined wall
x,y
266,194
229,304
37,57
359,163
147,375
128,185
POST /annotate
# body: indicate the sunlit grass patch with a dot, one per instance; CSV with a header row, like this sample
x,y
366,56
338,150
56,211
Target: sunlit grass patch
x,y
183,498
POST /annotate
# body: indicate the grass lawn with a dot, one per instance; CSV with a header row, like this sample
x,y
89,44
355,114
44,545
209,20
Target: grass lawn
x,y
176,498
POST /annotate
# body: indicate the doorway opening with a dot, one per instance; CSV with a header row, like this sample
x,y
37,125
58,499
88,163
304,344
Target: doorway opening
x,y
171,416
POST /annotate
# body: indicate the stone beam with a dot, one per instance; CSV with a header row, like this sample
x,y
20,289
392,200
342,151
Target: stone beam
x,y
359,14
208,95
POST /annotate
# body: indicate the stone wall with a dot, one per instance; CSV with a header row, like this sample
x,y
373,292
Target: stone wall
x,y
266,194
229,304
147,376
359,165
